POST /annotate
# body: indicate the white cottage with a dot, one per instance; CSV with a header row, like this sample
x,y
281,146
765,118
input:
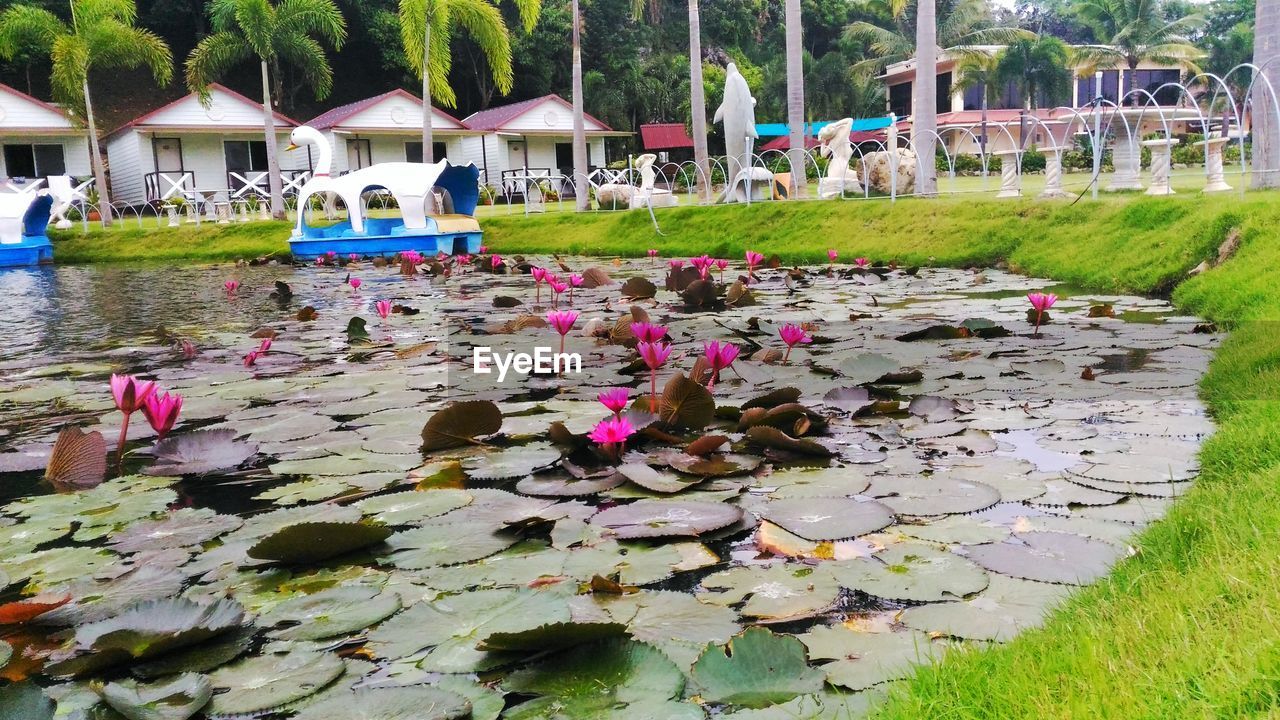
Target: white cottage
x,y
185,148
536,135
38,140
387,128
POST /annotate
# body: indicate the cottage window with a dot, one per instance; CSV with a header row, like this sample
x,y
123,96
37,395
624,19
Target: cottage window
x,y
413,151
32,161
245,155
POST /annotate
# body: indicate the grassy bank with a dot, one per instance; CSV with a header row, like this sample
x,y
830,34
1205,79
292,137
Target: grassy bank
x,y
208,242
1185,628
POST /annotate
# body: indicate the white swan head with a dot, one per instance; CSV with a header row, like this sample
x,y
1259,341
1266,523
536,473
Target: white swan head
x,y
307,135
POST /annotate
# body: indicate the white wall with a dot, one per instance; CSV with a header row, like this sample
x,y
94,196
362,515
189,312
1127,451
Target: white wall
x,y
547,116
541,152
131,156
396,112
75,150
385,148
124,160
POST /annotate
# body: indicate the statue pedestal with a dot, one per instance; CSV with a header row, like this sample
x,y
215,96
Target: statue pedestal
x,y
1126,156
1215,178
836,187
172,211
757,181
1161,165
1010,177
1053,174
653,198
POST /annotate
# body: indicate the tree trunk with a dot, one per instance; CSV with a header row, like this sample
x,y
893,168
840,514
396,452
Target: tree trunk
x,y
698,104
273,162
95,158
795,98
983,138
581,194
428,156
1266,121
924,111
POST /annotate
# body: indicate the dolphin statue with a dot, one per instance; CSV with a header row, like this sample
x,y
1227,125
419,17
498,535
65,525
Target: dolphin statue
x,y
738,113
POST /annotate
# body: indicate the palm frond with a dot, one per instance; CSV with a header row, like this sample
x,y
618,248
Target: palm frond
x,y
29,28
318,17
214,57
484,23
307,55
70,67
112,43
256,21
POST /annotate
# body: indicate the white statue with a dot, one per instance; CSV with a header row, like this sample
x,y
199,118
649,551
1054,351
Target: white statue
x,y
738,113
646,194
835,144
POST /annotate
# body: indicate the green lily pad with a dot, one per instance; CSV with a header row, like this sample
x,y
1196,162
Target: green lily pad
x,y
312,542
332,612
1050,557
594,680
864,659
404,508
755,669
911,571
264,682
686,404
460,423
920,495
177,698
446,544
418,702
663,518
773,592
25,701
827,518
1000,612
553,636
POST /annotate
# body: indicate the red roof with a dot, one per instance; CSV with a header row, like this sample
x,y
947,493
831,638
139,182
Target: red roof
x,y
335,116
142,119
664,136
37,101
495,118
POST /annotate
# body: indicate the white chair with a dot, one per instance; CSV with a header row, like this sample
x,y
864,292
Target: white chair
x,y
64,194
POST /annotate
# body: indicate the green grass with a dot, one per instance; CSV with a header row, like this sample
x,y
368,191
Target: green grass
x,y
1187,627
126,242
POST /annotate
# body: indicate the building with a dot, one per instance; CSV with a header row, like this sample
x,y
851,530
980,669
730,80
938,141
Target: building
x,y
38,139
959,111
387,128
187,149
534,137
669,141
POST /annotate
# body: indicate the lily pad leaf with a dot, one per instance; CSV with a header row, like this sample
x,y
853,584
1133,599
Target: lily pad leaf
x,y
1050,557
754,670
199,453
912,571
866,367
1004,609
864,659
781,591
415,702
686,404
460,423
25,701
357,334
638,288
264,682
662,518
312,542
553,636
332,612
774,438
608,673
177,698
828,518
78,460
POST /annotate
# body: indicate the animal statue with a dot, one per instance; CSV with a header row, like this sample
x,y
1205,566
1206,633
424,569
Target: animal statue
x,y
738,113
646,194
834,143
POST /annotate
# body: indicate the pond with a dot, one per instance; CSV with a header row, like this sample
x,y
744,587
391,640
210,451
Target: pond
x,y
357,520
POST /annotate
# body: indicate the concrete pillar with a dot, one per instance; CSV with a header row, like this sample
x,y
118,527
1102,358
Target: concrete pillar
x,y
1053,174
1161,165
1010,177
1215,177
1126,155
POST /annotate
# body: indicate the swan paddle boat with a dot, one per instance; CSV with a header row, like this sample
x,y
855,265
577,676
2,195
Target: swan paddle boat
x,y
24,218
436,203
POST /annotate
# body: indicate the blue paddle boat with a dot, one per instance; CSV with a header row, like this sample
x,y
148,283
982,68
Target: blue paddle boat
x,y
24,218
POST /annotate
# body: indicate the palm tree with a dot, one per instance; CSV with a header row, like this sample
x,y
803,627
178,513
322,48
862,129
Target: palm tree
x,y
1037,68
1131,31
924,105
980,71
426,28
698,103
961,25
274,33
1266,126
795,96
101,35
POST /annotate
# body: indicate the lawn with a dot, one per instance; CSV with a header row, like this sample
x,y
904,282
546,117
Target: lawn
x,y
1187,626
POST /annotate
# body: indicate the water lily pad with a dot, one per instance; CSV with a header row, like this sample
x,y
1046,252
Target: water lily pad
x,y
957,530
552,636
827,518
866,367
177,698
715,464
512,462
446,544
663,518
774,438
911,571
333,612
25,701
1000,612
1050,557
597,680
181,528
312,542
686,404
418,702
404,508
264,682
932,495
773,592
199,453
754,670
653,479
865,659
460,423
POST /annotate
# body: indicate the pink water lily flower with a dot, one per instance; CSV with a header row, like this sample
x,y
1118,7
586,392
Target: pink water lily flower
x,y
251,358
130,395
484,249
1041,302
562,322
753,259
319,262
832,255
721,264
861,262
702,263
331,254
719,356
383,307
355,283
612,434
353,257
793,335
653,256
231,286
615,399
648,332
675,264
264,346
495,262
557,289
575,281
162,410
654,355
539,275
